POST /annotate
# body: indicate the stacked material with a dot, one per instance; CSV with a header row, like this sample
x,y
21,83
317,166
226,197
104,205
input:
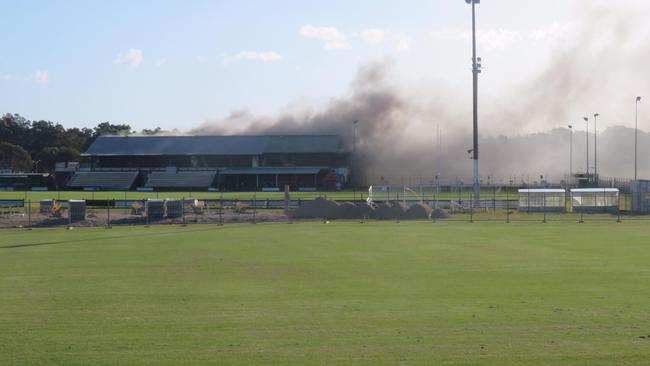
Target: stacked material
x,y
77,210
46,206
154,209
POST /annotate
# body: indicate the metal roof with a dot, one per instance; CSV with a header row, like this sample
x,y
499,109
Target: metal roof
x,y
214,145
261,171
544,190
594,190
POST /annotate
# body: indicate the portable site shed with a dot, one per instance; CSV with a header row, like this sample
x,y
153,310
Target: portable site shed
x,y
542,200
640,192
595,200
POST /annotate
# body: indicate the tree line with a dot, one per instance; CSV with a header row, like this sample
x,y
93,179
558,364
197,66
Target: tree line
x,y
36,146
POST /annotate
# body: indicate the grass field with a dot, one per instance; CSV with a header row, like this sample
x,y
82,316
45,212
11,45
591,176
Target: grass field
x,y
343,293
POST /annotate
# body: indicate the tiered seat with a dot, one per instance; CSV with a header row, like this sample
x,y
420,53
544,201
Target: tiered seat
x,y
181,180
103,180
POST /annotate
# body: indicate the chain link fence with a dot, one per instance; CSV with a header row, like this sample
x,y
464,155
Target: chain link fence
x,y
497,204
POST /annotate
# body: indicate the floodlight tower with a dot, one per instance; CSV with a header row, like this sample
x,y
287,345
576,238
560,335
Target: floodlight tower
x,y
596,147
587,132
476,69
636,135
570,152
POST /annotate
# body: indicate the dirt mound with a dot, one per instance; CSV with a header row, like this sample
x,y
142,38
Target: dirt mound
x,y
389,211
439,214
417,211
347,211
316,209
365,210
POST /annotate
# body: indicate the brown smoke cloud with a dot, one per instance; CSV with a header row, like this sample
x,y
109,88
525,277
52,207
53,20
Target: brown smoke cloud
x,y
524,132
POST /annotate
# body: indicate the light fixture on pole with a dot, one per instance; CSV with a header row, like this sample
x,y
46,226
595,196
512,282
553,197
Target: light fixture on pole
x,y
636,137
587,132
476,69
596,147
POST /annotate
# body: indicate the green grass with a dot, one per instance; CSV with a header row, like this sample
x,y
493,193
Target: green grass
x,y
343,293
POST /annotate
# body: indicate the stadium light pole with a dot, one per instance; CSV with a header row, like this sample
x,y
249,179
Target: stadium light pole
x,y
476,69
636,136
587,131
596,146
570,152
354,135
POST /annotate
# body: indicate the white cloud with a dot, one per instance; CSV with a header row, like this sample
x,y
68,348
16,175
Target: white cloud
x,y
6,77
374,36
496,39
501,38
552,31
268,56
131,58
403,43
160,62
41,77
334,39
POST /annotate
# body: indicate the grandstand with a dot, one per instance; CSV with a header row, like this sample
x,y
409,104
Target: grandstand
x,y
180,180
235,163
103,180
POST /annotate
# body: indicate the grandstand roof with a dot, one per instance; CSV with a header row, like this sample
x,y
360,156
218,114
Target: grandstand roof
x,y
214,145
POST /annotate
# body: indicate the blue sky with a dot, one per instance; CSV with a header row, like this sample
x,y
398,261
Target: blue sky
x,y
176,64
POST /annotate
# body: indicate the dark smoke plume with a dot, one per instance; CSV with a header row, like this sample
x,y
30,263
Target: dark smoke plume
x,y
524,134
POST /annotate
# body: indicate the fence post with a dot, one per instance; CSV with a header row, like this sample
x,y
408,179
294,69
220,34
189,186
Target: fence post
x,y
254,207
471,208
544,207
183,210
108,209
507,207
618,212
221,209
29,214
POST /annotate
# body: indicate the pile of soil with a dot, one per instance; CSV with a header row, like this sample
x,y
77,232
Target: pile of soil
x,y
347,211
365,210
316,209
390,211
439,213
417,211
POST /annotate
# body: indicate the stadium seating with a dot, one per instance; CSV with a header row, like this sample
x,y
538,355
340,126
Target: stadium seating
x,y
103,180
181,180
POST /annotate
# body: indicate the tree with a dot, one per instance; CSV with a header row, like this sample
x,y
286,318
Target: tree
x,y
14,158
149,132
106,128
49,156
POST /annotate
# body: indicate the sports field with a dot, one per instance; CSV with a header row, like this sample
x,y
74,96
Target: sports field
x,y
339,293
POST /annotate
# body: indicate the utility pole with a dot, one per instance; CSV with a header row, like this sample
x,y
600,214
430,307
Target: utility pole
x,y
636,137
587,132
596,147
476,69
570,153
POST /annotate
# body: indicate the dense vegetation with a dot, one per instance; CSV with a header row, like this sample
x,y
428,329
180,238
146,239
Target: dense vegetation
x,y
38,145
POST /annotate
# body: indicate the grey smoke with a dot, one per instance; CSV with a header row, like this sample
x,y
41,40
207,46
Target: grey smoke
x,y
603,69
